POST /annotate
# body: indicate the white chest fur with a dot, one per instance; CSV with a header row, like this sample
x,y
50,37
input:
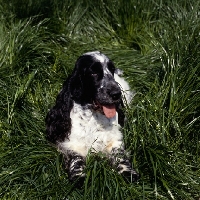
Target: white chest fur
x,y
91,130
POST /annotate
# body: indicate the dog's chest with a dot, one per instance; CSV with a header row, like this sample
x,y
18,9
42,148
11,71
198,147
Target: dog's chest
x,y
92,130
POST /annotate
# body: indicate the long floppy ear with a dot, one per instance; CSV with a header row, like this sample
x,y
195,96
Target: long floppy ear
x,y
58,122
80,89
121,115
76,84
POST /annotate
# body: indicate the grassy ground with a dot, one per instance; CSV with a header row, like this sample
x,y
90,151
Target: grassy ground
x,y
156,43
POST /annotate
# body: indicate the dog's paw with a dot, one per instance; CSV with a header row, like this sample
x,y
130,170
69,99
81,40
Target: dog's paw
x,y
76,171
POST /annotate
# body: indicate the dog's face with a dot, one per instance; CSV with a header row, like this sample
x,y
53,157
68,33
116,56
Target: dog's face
x,y
96,73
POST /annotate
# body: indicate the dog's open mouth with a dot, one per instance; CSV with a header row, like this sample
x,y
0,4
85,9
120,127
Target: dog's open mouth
x,y
108,110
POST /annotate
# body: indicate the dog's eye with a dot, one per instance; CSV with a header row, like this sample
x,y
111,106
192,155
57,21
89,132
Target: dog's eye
x,y
94,74
96,69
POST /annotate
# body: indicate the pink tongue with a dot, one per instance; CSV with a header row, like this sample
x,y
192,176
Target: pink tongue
x,y
109,111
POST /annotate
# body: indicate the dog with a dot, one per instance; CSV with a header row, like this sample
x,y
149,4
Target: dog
x,y
88,116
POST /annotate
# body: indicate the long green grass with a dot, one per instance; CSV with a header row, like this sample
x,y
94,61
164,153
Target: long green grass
x,y
156,43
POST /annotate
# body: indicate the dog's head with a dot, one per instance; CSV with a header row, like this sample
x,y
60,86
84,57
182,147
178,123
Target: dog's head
x,y
94,83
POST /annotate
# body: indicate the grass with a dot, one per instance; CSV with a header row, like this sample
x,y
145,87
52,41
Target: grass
x,y
156,43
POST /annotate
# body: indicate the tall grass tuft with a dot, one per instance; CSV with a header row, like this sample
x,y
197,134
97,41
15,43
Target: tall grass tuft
x,y
156,44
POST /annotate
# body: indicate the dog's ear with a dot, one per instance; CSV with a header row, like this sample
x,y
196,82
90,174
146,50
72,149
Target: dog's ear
x,y
121,115
58,122
76,85
79,81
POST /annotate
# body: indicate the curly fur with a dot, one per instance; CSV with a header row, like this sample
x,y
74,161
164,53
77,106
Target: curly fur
x,y
78,122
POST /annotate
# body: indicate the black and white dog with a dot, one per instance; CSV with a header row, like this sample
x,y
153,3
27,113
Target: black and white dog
x,y
88,115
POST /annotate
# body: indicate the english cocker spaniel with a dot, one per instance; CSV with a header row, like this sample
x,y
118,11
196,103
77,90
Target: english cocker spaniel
x,y
88,116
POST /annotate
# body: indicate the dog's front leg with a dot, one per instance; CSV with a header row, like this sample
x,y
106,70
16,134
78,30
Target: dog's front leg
x,y
120,160
75,165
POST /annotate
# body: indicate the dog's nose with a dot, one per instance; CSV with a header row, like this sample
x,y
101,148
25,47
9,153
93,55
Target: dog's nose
x,y
115,94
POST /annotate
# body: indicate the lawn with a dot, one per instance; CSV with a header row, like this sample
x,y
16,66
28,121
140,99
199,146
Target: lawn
x,y
157,45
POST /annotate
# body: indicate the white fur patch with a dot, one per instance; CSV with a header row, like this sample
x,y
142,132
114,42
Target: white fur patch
x,y
100,57
91,130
